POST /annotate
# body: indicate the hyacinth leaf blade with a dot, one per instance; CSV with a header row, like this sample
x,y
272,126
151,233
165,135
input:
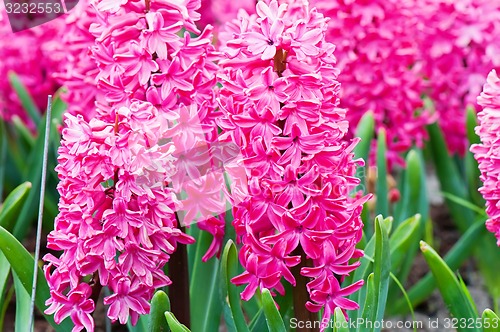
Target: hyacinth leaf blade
x,y
273,317
26,100
25,137
141,325
414,194
22,263
258,323
33,174
449,177
414,200
381,187
160,303
364,131
457,301
3,154
370,306
403,239
8,213
340,323
206,309
491,322
381,267
23,300
231,297
174,324
454,258
13,204
404,246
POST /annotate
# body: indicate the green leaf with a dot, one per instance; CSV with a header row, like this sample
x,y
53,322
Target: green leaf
x,y
381,268
3,155
25,98
22,264
491,322
450,179
340,323
273,317
364,131
457,301
414,196
159,305
23,304
258,323
13,204
174,324
206,307
381,188
229,268
404,238
370,307
454,258
24,134
8,213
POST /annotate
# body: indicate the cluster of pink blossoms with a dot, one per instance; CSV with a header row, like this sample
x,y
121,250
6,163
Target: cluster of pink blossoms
x,y
28,54
459,43
280,100
379,61
122,171
77,70
488,152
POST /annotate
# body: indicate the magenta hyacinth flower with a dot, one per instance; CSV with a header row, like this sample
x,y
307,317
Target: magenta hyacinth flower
x,y
280,104
29,54
380,71
122,170
459,43
488,152
77,71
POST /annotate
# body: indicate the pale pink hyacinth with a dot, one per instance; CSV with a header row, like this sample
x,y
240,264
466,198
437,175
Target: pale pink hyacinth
x,y
279,97
459,45
28,54
487,152
378,56
120,172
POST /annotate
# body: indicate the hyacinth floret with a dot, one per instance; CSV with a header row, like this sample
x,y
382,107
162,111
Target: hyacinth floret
x,y
280,103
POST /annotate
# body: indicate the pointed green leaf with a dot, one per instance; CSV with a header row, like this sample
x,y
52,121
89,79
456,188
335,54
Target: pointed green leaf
x,y
26,100
206,307
3,155
457,302
381,189
159,305
23,304
258,323
403,239
174,324
22,264
340,323
13,204
229,266
454,258
381,268
273,317
450,179
370,306
491,322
